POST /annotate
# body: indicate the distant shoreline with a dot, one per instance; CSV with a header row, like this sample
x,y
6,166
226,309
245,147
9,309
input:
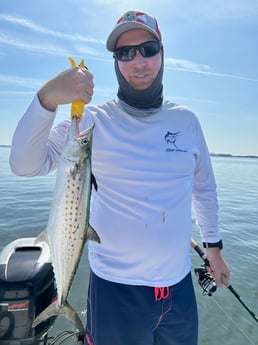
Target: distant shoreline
x,y
227,155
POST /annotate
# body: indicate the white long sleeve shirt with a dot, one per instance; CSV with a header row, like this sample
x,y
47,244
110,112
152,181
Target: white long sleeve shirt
x,y
151,167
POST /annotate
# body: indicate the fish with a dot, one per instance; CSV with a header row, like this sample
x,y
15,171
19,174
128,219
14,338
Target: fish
x,y
68,226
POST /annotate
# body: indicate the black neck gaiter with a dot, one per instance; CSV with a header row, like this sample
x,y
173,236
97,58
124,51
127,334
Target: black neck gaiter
x,y
151,97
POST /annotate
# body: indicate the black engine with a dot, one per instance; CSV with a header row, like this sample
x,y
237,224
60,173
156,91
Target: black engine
x,y
26,288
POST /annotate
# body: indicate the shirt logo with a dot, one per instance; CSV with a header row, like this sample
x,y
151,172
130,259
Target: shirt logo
x,y
171,140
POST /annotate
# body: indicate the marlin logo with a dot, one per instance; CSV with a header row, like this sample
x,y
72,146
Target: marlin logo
x,y
171,138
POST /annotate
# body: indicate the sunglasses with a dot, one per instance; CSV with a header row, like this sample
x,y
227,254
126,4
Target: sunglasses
x,y
147,49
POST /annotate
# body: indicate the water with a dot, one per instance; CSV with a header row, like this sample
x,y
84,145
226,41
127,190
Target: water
x,y
24,210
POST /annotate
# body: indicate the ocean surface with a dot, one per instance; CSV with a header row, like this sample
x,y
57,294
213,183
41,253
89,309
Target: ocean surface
x,y
24,210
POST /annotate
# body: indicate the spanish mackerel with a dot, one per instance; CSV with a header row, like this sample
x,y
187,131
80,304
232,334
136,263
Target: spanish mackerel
x,y
68,225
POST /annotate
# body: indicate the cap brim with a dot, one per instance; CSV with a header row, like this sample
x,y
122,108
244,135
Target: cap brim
x,y
123,27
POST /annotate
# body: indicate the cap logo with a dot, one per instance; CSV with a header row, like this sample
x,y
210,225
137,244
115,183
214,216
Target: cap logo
x,y
133,17
133,20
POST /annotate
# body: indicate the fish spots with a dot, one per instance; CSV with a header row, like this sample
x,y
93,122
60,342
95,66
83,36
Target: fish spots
x,y
72,214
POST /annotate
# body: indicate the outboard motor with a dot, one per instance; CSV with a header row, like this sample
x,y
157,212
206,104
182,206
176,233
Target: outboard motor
x,y
26,288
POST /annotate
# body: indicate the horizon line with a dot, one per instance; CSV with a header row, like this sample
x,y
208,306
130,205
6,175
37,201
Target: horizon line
x,y
211,153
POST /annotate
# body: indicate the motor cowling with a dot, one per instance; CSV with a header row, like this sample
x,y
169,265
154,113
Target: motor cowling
x,y
27,287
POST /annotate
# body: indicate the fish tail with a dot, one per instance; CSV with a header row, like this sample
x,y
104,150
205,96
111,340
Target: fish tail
x,y
54,309
69,312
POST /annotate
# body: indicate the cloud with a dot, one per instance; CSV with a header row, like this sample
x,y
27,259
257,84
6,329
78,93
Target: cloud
x,y
186,65
89,51
24,22
193,67
183,99
181,65
53,49
80,45
20,81
15,93
34,47
199,11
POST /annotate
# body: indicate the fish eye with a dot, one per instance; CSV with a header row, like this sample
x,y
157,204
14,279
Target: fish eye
x,y
84,142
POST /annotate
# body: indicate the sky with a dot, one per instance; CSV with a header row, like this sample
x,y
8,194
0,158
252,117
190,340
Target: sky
x,y
211,59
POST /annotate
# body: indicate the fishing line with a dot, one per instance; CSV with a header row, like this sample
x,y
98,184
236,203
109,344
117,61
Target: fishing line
x,y
62,337
224,280
205,281
234,323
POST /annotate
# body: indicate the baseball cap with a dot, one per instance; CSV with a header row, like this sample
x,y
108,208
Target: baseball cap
x,y
133,20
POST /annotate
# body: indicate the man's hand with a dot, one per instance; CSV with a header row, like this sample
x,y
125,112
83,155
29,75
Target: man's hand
x,y
74,84
218,267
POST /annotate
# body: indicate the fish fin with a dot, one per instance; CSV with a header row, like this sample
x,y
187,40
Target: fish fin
x,y
50,311
42,237
94,182
54,309
92,235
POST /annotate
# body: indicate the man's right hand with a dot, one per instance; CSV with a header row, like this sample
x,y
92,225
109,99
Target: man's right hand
x,y
74,84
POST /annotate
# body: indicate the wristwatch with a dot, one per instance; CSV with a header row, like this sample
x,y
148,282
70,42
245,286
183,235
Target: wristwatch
x,y
213,245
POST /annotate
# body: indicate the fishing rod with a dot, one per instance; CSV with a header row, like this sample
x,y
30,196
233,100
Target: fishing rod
x,y
225,281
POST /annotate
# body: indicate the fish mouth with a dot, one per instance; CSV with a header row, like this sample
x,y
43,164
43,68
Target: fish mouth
x,y
70,160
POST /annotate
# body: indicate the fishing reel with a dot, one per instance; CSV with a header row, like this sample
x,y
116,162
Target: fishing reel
x,y
205,280
208,283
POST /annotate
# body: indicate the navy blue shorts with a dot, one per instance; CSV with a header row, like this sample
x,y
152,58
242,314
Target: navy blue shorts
x,y
119,314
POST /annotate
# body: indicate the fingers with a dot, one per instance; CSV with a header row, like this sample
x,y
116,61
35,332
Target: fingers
x,y
215,275
218,267
77,107
71,85
220,272
82,84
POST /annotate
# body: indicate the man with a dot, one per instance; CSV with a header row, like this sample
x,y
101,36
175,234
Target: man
x,y
151,163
